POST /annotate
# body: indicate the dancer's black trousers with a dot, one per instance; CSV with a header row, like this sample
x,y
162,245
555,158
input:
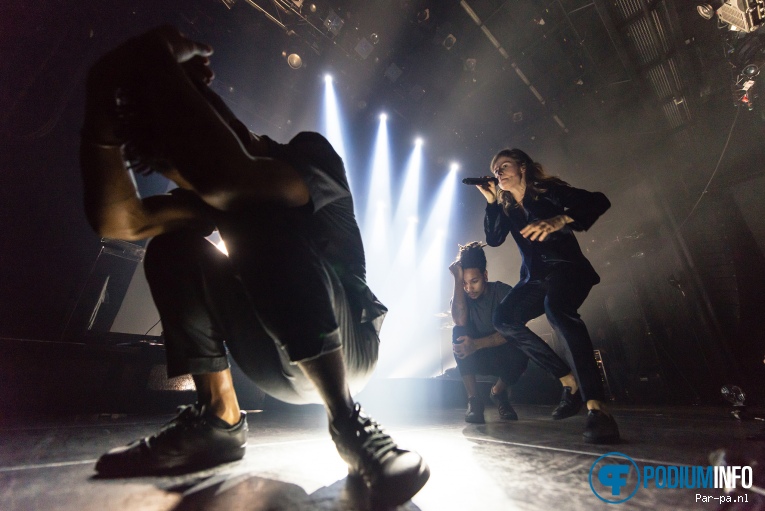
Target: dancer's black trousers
x,y
206,306
505,361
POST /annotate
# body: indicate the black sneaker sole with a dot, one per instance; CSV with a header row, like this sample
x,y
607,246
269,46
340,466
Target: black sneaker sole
x,y
167,466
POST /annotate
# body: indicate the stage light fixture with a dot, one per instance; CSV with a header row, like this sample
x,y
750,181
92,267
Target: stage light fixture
x,y
294,61
705,11
449,42
334,23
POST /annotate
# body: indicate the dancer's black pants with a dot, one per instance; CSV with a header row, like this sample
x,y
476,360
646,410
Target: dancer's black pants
x,y
207,304
505,361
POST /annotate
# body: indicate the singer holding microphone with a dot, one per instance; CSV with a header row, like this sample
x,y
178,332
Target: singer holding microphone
x,y
541,213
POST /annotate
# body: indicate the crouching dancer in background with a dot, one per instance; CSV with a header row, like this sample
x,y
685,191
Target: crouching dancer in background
x,y
290,302
478,347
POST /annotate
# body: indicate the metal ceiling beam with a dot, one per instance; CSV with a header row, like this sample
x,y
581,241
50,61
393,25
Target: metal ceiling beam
x,y
614,36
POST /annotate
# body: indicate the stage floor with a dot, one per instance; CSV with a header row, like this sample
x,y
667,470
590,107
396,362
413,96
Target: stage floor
x,y
532,464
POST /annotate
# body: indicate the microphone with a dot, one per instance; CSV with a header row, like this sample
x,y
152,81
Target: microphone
x,y
479,180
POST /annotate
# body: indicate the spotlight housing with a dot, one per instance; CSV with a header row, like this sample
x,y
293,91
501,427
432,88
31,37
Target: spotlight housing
x,y
751,70
294,61
705,11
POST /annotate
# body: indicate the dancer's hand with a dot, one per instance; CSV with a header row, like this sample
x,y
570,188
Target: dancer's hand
x,y
489,191
456,269
181,47
127,58
464,347
145,55
539,230
198,69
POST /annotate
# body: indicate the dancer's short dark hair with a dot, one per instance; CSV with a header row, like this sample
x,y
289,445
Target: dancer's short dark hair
x,y
472,256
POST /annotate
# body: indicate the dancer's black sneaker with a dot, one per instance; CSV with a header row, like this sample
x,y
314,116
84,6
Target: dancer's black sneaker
x,y
474,413
505,409
569,405
601,428
194,440
392,475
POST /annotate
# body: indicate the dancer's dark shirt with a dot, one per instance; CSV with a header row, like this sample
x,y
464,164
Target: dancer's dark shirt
x,y
482,308
294,241
331,221
539,257
326,225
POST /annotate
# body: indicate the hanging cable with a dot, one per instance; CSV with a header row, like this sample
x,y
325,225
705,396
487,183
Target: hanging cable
x,y
152,326
733,125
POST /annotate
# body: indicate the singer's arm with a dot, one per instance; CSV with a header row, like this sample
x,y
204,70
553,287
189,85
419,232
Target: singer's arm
x,y
496,225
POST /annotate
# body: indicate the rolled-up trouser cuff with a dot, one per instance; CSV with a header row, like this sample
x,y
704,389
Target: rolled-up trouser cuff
x,y
202,365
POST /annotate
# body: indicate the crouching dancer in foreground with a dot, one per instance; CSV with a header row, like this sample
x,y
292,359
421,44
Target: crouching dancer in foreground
x,y
290,301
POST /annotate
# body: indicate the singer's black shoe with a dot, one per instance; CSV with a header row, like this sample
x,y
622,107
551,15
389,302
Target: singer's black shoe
x,y
474,413
569,405
504,407
392,475
194,440
601,428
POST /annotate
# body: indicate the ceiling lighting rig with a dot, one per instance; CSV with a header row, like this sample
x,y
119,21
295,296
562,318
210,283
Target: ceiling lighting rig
x,y
288,14
312,22
745,44
744,15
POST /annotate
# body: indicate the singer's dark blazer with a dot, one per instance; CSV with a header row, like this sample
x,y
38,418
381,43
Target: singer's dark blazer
x,y
538,256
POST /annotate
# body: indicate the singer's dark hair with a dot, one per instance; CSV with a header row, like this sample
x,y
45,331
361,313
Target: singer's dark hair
x,y
472,256
536,177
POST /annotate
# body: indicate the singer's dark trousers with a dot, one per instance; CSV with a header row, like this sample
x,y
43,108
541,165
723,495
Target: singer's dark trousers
x,y
206,307
558,296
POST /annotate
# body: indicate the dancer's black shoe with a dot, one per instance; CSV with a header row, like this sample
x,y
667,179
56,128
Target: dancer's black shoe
x,y
391,474
474,413
194,440
505,409
601,428
569,405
